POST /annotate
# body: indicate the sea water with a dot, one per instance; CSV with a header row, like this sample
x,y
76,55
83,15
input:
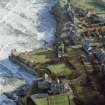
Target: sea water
x,y
24,25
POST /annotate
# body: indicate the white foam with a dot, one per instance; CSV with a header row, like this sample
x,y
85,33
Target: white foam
x,y
5,101
22,21
9,84
23,24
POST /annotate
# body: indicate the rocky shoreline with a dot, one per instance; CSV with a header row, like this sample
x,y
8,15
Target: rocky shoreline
x,y
68,67
30,63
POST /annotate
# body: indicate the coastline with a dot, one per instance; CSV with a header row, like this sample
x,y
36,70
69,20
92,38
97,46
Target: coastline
x,y
17,30
70,66
30,70
13,57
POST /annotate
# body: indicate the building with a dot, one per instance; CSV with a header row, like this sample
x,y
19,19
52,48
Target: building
x,y
43,85
69,12
103,39
72,35
69,34
81,12
103,68
60,50
86,44
100,54
57,88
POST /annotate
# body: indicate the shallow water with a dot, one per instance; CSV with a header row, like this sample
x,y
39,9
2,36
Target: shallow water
x,y
24,24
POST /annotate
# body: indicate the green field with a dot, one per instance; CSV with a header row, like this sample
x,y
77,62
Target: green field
x,y
73,57
59,69
53,100
41,101
40,56
96,5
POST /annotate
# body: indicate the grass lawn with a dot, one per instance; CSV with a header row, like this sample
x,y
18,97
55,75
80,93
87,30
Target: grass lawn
x,y
40,56
73,56
59,69
41,101
59,100
97,5
77,83
71,52
54,100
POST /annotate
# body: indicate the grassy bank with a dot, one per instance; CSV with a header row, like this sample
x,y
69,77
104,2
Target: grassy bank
x,y
69,65
93,5
54,100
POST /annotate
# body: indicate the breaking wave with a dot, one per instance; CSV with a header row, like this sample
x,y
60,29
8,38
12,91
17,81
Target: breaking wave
x,y
24,24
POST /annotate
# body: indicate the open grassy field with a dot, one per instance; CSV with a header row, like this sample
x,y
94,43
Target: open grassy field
x,y
95,5
40,56
53,100
59,69
41,101
73,57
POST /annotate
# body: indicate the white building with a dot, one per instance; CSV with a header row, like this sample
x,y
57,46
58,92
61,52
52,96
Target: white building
x,y
86,44
100,54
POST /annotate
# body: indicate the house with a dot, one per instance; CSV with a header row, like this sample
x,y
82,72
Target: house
x,y
61,50
70,12
86,44
72,35
43,85
96,19
103,39
103,68
100,54
51,87
47,78
69,34
57,88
